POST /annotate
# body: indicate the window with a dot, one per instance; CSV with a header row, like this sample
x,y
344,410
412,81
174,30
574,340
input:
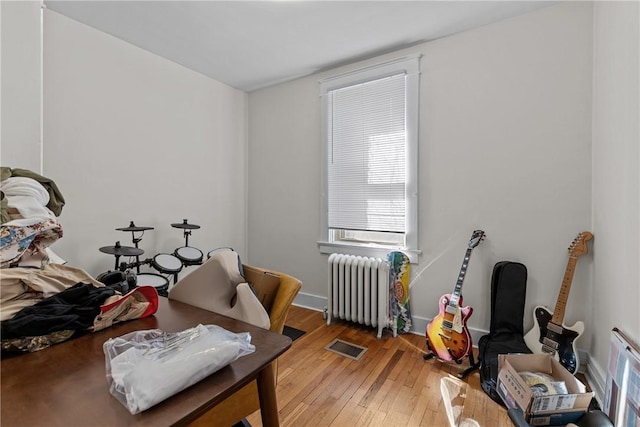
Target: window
x,y
370,162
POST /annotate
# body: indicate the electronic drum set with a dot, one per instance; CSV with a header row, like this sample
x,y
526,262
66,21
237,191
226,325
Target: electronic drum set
x,y
167,265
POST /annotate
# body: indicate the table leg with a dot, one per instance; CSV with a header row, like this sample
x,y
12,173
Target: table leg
x,y
267,395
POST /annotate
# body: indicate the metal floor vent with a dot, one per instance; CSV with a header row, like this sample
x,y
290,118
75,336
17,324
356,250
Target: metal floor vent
x,y
346,349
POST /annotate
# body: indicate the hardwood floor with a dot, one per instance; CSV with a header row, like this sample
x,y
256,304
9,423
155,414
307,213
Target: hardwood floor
x,y
391,384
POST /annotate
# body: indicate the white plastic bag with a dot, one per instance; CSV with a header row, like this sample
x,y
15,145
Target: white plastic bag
x,y
146,367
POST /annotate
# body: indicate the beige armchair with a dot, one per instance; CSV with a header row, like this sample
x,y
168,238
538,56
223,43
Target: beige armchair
x,y
279,298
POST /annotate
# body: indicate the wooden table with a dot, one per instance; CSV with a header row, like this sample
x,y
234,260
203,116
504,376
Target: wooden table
x,y
66,385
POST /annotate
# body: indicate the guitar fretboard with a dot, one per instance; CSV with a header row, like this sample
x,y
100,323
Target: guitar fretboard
x,y
455,297
563,296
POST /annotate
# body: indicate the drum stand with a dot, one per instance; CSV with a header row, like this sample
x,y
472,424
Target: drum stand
x,y
135,243
473,365
187,229
119,250
187,233
133,228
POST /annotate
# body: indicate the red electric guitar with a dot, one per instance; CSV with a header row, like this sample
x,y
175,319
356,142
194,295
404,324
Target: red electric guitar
x,y
447,334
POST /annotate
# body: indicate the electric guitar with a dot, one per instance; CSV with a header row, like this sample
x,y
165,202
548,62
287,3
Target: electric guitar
x,y
549,333
447,334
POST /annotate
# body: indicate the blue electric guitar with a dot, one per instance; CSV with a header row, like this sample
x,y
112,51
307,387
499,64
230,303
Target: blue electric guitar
x,y
550,334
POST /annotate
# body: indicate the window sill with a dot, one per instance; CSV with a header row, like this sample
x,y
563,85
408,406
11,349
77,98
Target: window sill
x,y
367,250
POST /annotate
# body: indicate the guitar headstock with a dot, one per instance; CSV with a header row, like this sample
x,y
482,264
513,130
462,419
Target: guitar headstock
x,y
476,238
579,245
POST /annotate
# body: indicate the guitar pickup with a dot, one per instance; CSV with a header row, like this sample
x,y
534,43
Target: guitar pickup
x,y
550,344
557,329
451,309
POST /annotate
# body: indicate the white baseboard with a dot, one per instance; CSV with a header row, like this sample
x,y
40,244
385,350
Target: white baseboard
x,y
419,327
596,378
418,324
310,301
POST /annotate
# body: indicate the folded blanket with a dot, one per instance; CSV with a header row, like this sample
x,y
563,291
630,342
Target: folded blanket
x,y
29,197
18,241
56,199
36,230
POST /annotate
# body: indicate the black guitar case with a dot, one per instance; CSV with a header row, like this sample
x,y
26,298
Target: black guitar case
x,y
506,331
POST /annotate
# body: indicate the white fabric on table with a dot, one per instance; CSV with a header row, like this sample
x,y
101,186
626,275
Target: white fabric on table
x,y
146,367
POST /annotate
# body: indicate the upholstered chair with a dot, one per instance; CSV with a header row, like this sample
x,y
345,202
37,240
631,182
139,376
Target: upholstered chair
x,y
276,291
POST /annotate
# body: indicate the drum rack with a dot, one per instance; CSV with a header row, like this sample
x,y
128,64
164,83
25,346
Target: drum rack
x,y
164,263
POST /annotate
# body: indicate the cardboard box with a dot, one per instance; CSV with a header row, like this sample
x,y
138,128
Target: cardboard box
x,y
557,409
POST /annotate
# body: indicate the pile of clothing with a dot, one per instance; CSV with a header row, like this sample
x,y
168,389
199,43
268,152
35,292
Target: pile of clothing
x,y
30,204
43,301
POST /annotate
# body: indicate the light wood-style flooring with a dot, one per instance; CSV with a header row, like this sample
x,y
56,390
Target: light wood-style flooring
x,y
391,385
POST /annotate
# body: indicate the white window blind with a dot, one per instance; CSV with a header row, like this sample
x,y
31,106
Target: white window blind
x,y
370,159
367,156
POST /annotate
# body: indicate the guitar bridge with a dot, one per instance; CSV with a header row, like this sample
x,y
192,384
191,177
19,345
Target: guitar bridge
x,y
445,337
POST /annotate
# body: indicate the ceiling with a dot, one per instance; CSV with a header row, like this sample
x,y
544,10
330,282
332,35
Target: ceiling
x,y
254,44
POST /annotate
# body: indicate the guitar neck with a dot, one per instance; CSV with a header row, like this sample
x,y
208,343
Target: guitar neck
x,y
563,296
457,292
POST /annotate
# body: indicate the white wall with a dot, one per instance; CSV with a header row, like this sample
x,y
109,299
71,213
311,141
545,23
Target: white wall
x,y
505,145
132,136
20,58
616,182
